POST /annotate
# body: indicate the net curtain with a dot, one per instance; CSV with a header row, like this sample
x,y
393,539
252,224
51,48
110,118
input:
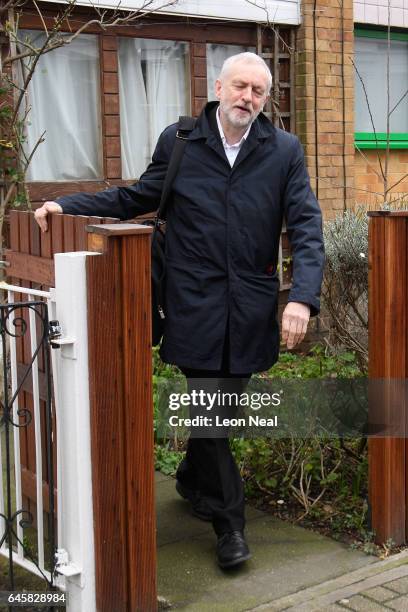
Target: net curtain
x,y
153,90
63,96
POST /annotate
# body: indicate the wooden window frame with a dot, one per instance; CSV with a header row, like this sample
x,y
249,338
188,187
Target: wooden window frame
x,y
196,32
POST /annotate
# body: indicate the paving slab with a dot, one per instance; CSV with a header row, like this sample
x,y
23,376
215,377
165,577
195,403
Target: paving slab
x,y
286,558
380,594
370,582
359,603
400,585
400,603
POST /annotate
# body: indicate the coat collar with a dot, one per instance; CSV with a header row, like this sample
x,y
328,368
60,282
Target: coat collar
x,y
206,127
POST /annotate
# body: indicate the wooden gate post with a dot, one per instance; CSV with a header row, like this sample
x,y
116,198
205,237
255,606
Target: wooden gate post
x,y
120,387
388,362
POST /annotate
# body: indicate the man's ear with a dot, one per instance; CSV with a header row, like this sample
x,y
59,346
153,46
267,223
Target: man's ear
x,y
268,97
217,89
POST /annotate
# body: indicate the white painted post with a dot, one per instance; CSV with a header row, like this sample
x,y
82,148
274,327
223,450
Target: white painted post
x,y
75,514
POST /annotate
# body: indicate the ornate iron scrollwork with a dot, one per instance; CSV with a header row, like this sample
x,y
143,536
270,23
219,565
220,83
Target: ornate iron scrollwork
x,y
13,325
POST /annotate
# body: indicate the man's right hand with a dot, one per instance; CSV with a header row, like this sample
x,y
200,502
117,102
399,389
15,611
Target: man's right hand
x,y
41,214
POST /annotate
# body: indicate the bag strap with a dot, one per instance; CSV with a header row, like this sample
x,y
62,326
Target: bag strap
x,y
185,126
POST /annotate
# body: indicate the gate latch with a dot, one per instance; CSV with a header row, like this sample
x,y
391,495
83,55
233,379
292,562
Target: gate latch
x,y
63,566
55,335
54,332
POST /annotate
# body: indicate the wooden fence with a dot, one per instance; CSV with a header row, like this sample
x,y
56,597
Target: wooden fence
x,y
388,372
30,259
120,393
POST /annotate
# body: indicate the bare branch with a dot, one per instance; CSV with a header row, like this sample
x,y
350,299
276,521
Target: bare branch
x,y
26,54
41,17
103,21
369,111
402,198
368,161
8,195
340,186
37,144
271,23
11,4
398,182
26,83
52,34
387,148
21,43
115,21
398,103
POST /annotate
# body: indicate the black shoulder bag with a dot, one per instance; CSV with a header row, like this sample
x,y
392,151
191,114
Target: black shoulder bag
x,y
185,126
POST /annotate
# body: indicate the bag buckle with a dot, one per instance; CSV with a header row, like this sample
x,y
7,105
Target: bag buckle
x,y
179,134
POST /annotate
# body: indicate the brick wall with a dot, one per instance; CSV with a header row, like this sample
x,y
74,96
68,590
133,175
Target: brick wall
x,y
331,162
370,186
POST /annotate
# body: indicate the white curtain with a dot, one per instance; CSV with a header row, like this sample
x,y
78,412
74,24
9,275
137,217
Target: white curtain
x,y
64,99
154,89
216,56
371,62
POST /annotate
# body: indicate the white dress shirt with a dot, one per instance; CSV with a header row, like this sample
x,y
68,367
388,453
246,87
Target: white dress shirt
x,y
231,151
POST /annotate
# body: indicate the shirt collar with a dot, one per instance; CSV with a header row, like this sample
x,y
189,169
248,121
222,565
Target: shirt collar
x,y
223,139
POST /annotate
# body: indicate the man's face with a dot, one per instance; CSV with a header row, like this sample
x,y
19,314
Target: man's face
x,y
242,93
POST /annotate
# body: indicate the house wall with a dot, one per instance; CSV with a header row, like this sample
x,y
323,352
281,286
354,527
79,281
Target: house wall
x,y
325,104
341,175
368,181
163,27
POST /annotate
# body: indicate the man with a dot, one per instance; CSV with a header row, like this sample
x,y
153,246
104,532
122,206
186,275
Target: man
x,y
238,177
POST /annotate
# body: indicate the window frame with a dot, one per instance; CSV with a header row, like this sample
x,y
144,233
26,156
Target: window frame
x,y
378,141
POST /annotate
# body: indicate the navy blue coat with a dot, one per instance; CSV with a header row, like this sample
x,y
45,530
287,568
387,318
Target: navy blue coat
x,y
223,228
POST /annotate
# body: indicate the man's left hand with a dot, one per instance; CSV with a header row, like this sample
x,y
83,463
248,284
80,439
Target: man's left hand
x,y
294,323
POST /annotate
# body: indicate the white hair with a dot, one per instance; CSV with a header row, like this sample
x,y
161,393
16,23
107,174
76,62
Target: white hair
x,y
249,58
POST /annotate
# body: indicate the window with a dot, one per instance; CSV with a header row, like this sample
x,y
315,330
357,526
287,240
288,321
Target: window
x,y
216,55
371,61
64,99
154,88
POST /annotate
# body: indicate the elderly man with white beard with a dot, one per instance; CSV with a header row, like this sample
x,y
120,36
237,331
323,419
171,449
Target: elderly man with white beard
x,y
238,178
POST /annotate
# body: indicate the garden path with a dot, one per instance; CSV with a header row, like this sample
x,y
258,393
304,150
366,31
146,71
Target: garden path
x,y
287,561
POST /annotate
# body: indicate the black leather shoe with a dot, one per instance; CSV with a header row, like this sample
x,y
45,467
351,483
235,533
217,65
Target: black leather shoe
x,y
232,549
198,506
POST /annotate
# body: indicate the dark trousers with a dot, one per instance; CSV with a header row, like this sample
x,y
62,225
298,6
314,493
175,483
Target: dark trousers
x,y
209,467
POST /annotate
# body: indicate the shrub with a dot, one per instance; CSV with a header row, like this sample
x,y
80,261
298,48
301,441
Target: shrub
x,y
345,287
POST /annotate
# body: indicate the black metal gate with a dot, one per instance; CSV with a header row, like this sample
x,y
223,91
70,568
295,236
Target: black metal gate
x,y
26,403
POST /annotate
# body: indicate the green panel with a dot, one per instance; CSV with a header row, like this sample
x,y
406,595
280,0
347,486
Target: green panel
x,y
380,34
380,136
367,140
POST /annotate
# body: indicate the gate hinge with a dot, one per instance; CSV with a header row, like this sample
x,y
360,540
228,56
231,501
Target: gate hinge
x,y
63,566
